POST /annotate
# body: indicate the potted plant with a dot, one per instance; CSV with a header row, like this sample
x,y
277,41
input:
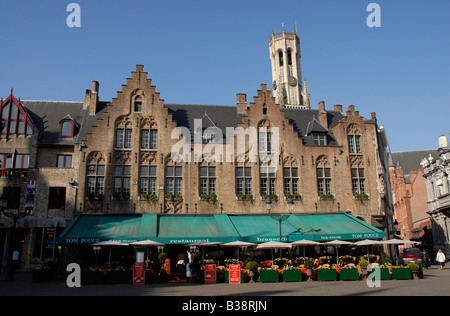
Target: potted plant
x,y
309,264
252,267
364,264
414,267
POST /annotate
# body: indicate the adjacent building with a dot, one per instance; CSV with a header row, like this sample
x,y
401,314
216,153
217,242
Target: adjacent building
x,y
437,179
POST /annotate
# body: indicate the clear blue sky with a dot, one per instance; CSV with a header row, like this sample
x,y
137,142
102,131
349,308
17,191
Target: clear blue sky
x,y
206,51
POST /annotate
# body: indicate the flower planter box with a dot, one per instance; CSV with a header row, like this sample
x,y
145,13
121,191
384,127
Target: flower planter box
x,y
268,276
326,275
401,274
294,275
384,273
348,275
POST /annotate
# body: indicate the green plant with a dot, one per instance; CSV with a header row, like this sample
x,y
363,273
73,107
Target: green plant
x,y
309,264
152,197
210,198
162,256
363,263
326,197
295,196
413,266
361,196
251,265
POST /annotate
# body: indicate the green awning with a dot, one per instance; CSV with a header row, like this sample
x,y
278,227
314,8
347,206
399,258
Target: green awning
x,y
186,229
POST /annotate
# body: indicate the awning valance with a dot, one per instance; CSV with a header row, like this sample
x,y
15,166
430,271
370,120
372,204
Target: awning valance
x,y
186,229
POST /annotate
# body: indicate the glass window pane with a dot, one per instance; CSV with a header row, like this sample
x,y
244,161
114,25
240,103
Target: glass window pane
x,y
100,170
294,172
169,171
239,172
286,172
354,173
145,139
319,173
118,170
361,173
152,172
5,112
126,170
144,186
203,171
153,139
248,172
327,173
66,129
212,171
178,171
143,171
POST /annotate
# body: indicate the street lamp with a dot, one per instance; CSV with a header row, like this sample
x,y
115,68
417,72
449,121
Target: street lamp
x,y
268,204
290,202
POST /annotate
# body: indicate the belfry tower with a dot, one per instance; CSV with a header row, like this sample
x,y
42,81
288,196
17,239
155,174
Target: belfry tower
x,y
286,71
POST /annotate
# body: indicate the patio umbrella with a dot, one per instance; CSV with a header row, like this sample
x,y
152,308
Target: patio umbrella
x,y
110,243
237,244
305,242
367,242
337,243
273,245
397,242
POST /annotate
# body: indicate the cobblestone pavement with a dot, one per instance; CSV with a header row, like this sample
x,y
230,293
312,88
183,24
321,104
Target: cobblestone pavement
x,y
436,282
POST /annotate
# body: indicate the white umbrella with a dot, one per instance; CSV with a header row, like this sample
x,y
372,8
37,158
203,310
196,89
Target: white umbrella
x,y
397,242
147,242
110,243
368,242
337,243
273,245
239,243
305,242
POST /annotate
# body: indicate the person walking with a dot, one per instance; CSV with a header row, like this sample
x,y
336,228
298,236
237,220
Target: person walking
x,y
440,257
425,258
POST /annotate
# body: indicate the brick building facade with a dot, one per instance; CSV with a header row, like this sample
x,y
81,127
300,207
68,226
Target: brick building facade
x,y
95,157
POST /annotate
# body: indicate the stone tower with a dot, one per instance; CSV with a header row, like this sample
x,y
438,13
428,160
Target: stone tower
x,y
286,71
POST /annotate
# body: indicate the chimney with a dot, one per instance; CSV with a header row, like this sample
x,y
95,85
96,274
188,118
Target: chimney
x,y
323,114
442,141
338,107
241,102
93,102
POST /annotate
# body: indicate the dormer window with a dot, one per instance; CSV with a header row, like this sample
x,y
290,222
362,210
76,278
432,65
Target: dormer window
x,y
320,139
66,129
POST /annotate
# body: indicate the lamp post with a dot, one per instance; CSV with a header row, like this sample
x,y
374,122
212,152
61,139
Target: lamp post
x,y
290,203
15,216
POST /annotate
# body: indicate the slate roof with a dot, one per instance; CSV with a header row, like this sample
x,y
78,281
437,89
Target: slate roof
x,y
410,160
47,116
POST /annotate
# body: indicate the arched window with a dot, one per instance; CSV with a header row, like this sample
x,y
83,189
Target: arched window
x,y
280,56
123,133
354,139
138,104
95,175
149,133
323,172
289,57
